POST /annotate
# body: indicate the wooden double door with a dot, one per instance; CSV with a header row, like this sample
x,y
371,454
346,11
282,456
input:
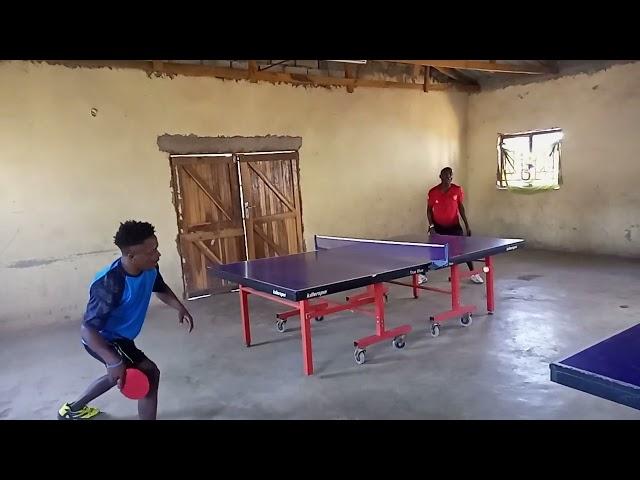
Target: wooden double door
x,y
234,207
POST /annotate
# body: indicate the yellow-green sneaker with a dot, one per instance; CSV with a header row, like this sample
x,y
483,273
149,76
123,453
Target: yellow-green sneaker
x,y
85,413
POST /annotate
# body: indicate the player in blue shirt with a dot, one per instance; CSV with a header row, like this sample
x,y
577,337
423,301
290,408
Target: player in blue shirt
x,y
118,301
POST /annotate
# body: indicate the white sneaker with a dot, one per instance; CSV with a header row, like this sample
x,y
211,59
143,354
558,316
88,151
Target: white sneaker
x,y
422,279
476,278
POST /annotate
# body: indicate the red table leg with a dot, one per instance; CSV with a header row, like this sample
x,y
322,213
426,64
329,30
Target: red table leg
x,y
489,276
244,313
305,328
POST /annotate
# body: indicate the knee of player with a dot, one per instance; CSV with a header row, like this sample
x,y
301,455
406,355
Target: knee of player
x,y
154,375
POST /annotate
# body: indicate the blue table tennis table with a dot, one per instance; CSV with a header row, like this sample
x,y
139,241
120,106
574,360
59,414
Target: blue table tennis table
x,y
339,264
609,369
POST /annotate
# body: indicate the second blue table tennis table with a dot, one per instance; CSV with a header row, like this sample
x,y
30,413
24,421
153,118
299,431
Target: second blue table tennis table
x,y
609,369
339,264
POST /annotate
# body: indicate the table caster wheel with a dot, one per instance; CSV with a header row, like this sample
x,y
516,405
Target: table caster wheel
x,y
281,326
435,330
359,355
466,319
319,319
399,342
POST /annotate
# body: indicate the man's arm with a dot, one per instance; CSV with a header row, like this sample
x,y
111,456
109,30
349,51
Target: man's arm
x,y
169,298
98,344
116,367
430,217
429,212
166,296
464,218
104,297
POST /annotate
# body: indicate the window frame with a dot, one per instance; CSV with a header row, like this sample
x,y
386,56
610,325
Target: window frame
x,y
501,181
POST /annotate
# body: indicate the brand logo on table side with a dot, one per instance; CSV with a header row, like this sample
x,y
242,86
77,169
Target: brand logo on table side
x,y
316,294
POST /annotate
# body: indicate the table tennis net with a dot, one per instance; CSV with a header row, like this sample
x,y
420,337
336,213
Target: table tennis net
x,y
437,253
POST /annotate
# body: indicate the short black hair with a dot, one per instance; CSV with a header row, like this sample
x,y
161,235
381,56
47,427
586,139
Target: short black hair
x,y
133,233
446,169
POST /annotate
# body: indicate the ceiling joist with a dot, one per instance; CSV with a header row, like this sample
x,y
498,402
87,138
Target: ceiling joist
x,y
480,65
252,73
453,74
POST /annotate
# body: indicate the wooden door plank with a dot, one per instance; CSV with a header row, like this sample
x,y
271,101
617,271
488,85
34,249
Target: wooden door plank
x,y
277,192
271,187
293,165
248,194
212,196
225,233
267,209
275,216
207,252
279,249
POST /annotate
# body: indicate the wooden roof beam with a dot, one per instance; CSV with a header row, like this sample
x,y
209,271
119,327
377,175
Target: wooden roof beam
x,y
251,74
451,73
481,66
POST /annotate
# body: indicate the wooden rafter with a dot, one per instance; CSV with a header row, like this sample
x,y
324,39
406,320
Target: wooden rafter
x,y
480,65
454,75
253,69
349,72
427,79
157,65
272,77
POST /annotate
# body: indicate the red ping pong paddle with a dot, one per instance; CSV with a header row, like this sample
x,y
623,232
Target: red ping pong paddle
x,y
136,384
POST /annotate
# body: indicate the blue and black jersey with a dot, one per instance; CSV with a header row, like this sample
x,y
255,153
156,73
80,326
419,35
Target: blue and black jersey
x,y
118,302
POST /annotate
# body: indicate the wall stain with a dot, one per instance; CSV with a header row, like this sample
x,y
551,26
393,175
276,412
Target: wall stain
x,y
39,262
627,232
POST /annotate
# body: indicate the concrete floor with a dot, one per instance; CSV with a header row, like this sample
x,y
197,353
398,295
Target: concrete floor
x,y
548,305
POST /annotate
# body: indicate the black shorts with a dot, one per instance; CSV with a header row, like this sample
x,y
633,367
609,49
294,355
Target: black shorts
x,y
450,230
124,348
